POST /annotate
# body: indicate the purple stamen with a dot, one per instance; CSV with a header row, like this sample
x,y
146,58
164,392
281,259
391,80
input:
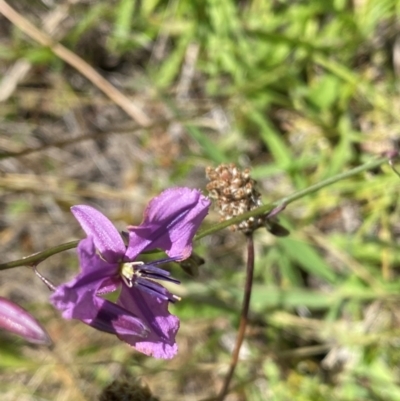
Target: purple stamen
x,y
152,272
155,289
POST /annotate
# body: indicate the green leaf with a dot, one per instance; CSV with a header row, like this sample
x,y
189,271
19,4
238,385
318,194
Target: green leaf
x,y
325,91
207,144
123,20
40,55
272,297
274,141
308,258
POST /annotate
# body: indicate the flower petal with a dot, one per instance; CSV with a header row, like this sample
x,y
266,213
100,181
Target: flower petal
x,y
170,223
96,277
17,320
92,264
106,237
160,343
112,318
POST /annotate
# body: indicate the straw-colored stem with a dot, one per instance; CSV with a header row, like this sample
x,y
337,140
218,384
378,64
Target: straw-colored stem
x,y
75,61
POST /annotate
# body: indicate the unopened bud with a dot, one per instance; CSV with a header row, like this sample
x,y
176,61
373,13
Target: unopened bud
x,y
17,320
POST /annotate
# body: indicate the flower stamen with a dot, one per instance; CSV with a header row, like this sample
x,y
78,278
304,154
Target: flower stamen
x,y
143,275
128,272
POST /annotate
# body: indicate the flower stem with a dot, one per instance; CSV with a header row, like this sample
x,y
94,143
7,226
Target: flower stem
x,y
38,257
281,203
243,316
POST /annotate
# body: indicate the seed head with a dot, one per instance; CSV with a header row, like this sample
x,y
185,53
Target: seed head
x,y
235,193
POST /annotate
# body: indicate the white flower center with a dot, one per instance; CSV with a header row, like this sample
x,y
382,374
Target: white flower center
x,y
128,272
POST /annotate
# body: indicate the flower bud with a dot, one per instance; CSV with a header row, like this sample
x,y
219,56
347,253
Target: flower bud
x,y
18,321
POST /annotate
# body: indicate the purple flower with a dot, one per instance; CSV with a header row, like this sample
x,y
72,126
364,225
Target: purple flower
x,y
17,320
140,316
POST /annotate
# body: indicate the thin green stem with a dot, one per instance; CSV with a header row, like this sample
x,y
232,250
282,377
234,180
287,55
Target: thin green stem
x,y
38,257
281,203
325,183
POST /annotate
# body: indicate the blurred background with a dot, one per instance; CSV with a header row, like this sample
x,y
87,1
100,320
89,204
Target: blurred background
x,y
296,90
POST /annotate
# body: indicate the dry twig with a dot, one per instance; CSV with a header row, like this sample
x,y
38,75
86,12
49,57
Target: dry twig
x,y
18,71
75,61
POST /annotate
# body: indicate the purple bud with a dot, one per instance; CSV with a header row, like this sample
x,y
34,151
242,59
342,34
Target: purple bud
x,y
18,321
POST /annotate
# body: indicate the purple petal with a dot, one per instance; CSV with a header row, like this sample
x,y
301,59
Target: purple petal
x,y
170,223
111,318
97,276
17,320
106,238
153,311
78,299
91,263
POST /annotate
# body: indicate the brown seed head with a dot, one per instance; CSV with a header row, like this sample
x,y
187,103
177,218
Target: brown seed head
x,y
235,193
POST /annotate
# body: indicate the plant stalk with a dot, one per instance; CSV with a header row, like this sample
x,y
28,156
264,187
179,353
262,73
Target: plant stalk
x,y
277,205
283,202
243,317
